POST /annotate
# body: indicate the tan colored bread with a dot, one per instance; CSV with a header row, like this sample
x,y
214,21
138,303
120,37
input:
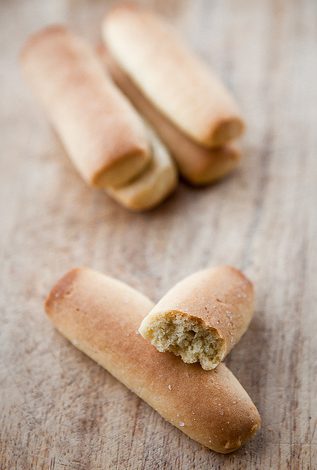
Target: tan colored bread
x,y
99,128
176,82
150,188
198,164
101,315
202,317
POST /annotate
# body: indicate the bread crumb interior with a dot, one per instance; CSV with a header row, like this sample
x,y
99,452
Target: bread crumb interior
x,y
186,337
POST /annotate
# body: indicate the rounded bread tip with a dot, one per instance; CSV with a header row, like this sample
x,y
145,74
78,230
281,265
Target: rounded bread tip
x,y
202,317
38,35
124,7
60,289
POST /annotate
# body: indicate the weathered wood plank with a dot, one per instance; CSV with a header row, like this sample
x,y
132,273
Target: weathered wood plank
x,y
60,410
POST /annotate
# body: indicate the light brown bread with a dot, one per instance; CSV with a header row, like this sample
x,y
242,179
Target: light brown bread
x,y
98,126
101,315
202,317
180,85
154,184
197,164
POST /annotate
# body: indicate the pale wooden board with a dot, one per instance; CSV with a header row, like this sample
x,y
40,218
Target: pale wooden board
x,y
59,410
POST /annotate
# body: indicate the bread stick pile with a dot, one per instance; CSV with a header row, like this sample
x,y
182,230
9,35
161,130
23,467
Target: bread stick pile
x,y
101,317
180,96
137,110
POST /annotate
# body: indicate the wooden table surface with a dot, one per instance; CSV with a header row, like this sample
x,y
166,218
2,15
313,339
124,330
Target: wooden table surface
x,y
59,410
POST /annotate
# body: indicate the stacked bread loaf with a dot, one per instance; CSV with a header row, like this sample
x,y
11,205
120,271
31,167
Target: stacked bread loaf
x,y
180,96
186,111
105,137
101,317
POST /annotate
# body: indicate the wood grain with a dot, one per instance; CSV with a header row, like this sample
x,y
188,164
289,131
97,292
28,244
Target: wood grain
x,y
59,410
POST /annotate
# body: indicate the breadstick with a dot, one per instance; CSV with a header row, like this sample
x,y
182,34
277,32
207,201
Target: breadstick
x,y
176,82
150,188
100,130
101,315
197,164
202,317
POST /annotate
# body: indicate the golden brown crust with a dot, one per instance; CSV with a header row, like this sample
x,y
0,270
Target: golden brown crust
x,y
222,298
175,81
62,288
100,316
197,164
99,128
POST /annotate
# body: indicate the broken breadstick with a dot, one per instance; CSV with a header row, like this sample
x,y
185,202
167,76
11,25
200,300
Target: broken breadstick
x,y
202,317
101,315
176,82
101,131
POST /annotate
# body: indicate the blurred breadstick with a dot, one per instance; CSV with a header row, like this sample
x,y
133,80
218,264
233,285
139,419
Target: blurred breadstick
x,y
150,188
102,133
173,79
198,165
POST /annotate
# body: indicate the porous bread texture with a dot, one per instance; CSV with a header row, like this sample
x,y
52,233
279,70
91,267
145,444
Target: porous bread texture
x,y
220,300
186,336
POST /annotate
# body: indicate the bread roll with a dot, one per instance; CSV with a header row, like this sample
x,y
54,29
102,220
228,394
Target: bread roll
x,y
99,128
198,165
202,317
175,81
101,315
150,188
